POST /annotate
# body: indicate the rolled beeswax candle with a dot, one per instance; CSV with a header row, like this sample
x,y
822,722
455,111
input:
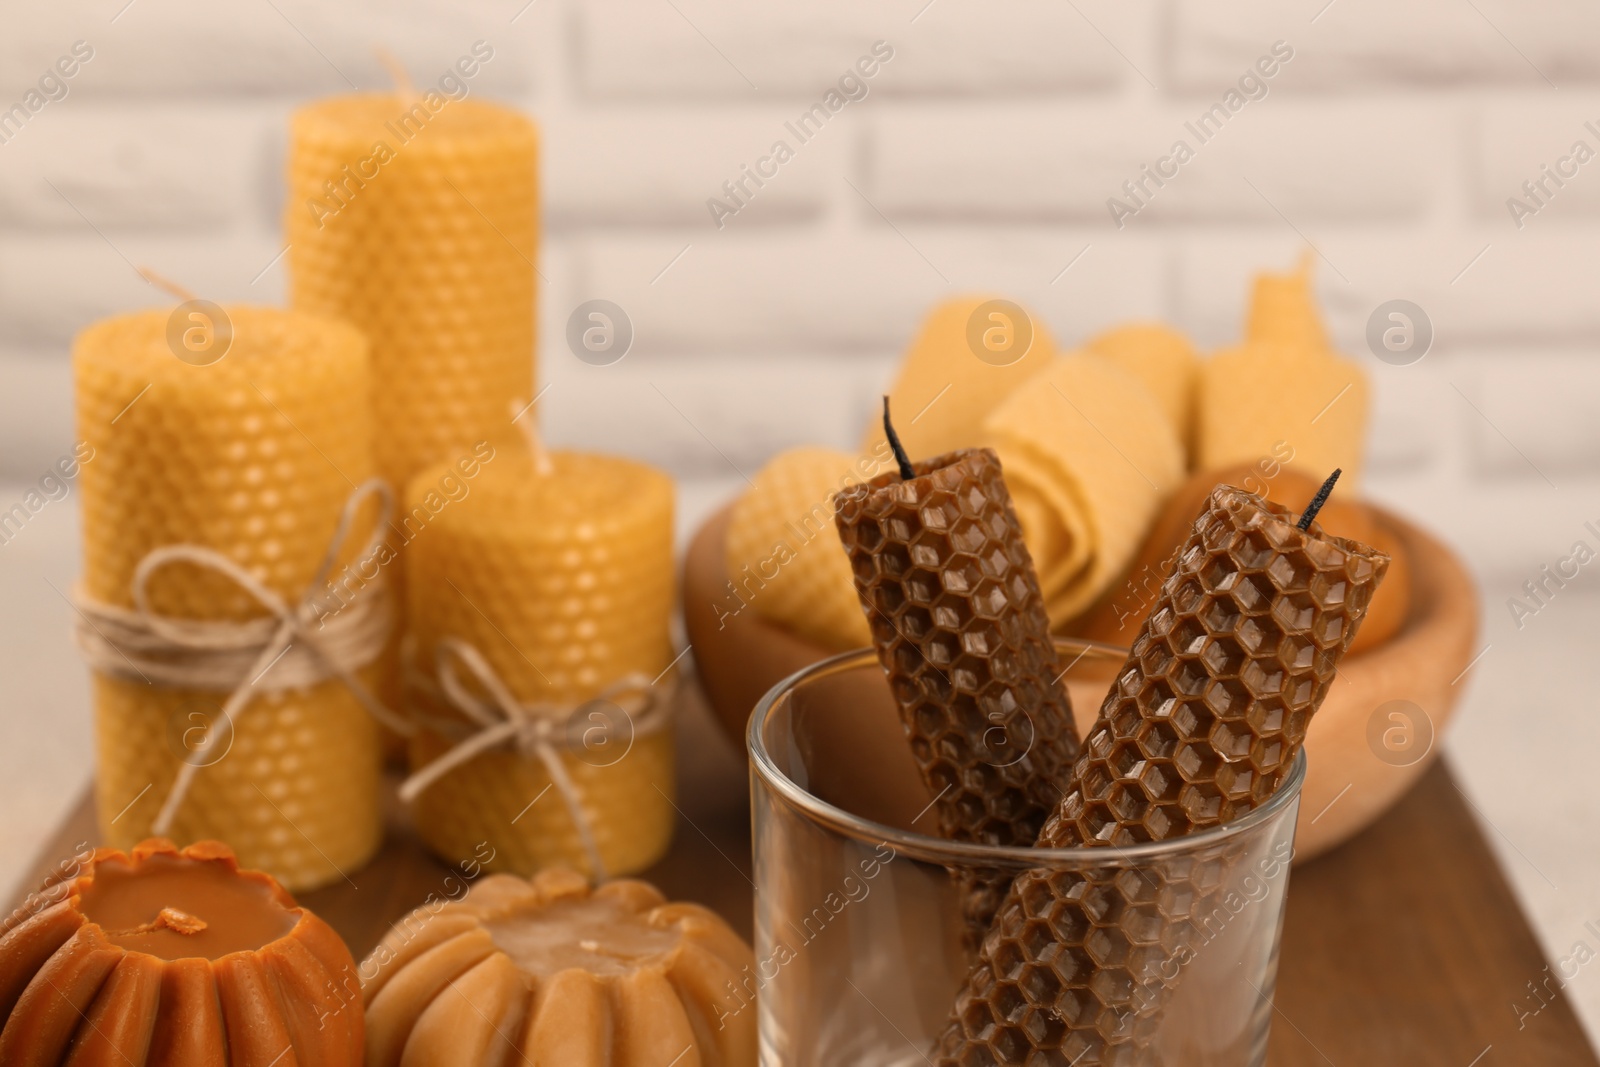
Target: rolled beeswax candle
x,y
549,974
561,577
168,957
253,455
960,628
1202,725
416,219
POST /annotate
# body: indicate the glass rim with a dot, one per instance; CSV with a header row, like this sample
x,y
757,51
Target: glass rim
x,y
942,850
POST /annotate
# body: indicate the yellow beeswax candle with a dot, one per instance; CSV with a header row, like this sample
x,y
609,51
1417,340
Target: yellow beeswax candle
x,y
1284,394
253,455
416,218
558,569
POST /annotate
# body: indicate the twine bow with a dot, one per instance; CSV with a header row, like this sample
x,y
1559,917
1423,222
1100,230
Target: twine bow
x,y
290,643
539,730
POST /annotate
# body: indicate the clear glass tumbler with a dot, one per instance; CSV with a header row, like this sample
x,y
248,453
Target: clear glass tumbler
x,y
858,925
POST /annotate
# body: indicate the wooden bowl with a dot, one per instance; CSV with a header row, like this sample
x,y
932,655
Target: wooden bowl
x,y
1376,733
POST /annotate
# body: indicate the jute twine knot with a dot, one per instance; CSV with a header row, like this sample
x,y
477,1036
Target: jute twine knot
x,y
542,731
293,646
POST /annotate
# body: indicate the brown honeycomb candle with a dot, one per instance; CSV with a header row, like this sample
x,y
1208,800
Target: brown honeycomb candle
x,y
960,628
1202,726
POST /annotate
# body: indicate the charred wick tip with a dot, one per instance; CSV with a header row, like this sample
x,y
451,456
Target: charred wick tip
x,y
907,471
1320,499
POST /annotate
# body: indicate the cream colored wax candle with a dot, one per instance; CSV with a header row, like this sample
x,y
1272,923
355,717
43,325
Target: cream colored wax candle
x,y
556,571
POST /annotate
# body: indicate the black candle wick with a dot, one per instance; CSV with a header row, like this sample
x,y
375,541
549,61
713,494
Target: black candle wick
x,y
1317,501
907,471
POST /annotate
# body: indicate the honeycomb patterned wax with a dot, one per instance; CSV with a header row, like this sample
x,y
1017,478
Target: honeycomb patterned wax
x,y
563,580
960,629
1283,391
421,227
253,455
1201,726
783,552
944,388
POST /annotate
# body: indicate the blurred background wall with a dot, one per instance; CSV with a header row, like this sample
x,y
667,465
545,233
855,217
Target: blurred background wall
x,y
981,157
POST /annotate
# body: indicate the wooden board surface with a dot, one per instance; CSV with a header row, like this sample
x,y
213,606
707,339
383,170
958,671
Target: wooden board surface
x,y
1402,947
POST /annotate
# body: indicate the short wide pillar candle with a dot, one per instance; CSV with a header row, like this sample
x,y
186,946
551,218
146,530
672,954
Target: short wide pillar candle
x,y
558,570
253,456
416,219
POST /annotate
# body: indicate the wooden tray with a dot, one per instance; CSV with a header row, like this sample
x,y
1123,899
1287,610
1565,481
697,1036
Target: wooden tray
x,y
1348,784
1403,947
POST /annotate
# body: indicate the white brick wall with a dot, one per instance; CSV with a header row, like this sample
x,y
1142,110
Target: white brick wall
x,y
981,159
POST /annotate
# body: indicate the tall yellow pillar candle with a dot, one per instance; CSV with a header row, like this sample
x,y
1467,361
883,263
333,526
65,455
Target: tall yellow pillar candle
x,y
415,217
557,568
253,455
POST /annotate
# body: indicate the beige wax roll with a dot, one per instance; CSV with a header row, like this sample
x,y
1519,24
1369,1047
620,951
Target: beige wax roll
x,y
1161,358
944,389
1283,310
1089,456
1284,391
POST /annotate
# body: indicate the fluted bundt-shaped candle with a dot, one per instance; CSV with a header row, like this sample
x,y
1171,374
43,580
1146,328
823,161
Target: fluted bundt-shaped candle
x,y
549,973
175,958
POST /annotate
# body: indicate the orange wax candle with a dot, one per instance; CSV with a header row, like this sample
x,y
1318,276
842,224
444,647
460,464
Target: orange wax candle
x,y
557,569
252,456
416,219
169,957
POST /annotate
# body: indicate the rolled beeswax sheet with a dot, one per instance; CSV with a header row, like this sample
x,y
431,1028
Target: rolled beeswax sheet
x,y
1089,455
1283,310
972,352
1164,360
1302,406
785,562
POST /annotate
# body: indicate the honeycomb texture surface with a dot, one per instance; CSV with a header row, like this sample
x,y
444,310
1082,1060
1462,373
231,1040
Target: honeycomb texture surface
x,y
783,553
429,247
254,456
564,581
549,971
1201,726
960,629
